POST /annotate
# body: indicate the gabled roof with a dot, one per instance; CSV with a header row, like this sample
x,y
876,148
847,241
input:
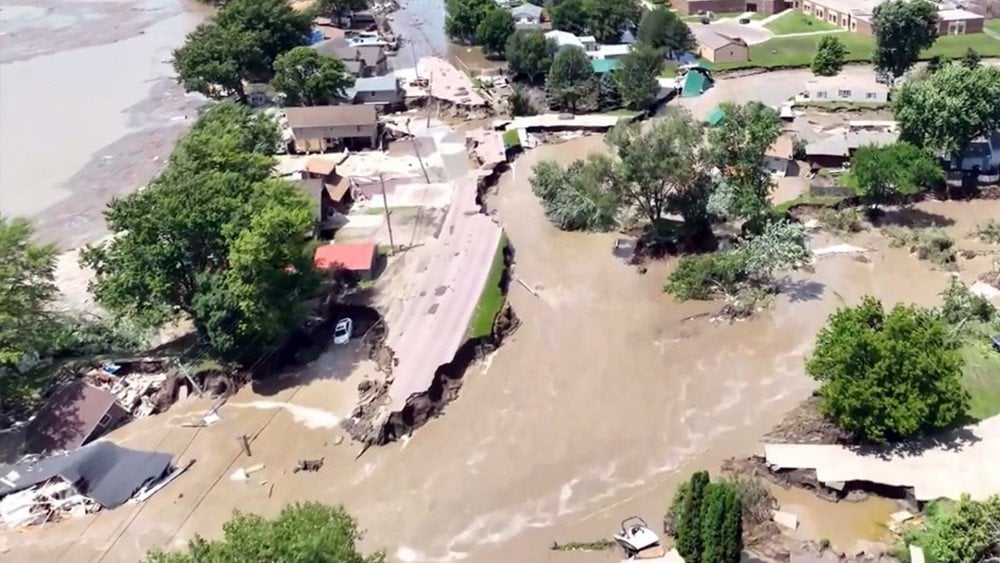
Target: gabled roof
x,y
385,83
330,116
321,166
527,10
102,471
713,40
354,257
695,83
68,418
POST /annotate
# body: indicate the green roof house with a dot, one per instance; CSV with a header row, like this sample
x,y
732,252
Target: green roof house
x,y
603,66
715,117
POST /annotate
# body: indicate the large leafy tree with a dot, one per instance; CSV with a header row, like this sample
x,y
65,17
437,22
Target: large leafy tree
x,y
494,31
664,29
302,532
212,237
340,8
464,16
897,169
966,531
737,147
570,83
902,29
569,15
636,76
529,55
661,168
829,58
580,196
887,376
277,26
307,78
950,108
608,19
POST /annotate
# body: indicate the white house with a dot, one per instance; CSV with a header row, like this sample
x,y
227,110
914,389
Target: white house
x,y
842,89
527,16
982,154
589,45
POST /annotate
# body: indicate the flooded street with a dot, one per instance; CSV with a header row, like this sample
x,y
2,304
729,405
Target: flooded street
x,y
602,400
84,120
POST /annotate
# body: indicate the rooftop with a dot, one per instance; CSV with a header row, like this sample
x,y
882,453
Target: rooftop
x,y
843,82
320,166
330,116
68,418
602,66
385,83
529,10
710,38
354,257
958,15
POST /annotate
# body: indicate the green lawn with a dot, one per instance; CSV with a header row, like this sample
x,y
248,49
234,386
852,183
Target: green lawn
x,y
993,25
795,21
491,299
799,51
981,378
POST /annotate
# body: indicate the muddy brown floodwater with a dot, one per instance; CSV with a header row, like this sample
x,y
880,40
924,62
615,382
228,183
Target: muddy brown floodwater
x,y
591,412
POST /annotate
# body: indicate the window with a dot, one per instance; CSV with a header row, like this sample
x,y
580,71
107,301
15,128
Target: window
x,y
870,95
821,94
105,420
844,93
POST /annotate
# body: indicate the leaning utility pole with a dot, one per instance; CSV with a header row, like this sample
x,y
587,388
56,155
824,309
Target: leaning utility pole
x,y
430,98
385,205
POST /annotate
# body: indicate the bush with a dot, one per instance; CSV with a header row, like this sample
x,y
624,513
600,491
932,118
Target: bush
x,y
846,220
702,276
960,305
874,386
964,531
988,232
933,245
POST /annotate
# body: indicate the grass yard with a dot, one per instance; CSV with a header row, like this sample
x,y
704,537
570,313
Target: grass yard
x,y
981,378
955,46
491,299
993,25
795,21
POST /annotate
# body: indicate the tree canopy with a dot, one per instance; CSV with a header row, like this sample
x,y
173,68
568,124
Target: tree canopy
x,y
664,29
902,29
636,76
340,8
899,168
959,532
571,84
240,44
737,147
887,376
214,236
608,19
464,16
569,15
829,57
307,78
708,520
529,55
950,108
580,196
302,532
494,31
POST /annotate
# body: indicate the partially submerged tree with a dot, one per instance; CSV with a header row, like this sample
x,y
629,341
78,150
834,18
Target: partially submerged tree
x,y
829,57
874,385
529,55
494,31
737,148
580,196
902,29
893,170
949,109
636,77
307,78
464,16
570,84
664,29
302,532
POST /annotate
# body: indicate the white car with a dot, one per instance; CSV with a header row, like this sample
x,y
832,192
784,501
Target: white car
x,y
342,332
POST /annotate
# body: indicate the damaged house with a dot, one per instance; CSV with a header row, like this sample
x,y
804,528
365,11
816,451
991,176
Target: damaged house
x,y
75,414
85,480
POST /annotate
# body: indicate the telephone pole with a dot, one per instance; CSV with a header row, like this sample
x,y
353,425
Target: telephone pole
x,y
388,222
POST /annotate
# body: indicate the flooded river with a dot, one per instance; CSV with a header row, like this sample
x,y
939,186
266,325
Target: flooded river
x,y
591,412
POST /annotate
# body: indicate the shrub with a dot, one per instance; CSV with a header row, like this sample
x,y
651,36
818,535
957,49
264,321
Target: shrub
x,y
689,541
709,520
702,276
959,305
988,232
933,245
846,220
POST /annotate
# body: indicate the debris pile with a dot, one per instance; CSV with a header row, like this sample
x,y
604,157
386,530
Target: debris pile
x,y
136,383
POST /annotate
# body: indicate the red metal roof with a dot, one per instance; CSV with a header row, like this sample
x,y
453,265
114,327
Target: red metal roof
x,y
355,257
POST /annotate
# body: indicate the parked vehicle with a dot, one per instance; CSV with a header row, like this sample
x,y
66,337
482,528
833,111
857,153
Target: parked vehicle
x,y
342,331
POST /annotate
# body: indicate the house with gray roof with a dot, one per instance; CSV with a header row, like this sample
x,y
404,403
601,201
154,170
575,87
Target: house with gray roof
x,y
383,92
527,16
361,60
982,154
836,149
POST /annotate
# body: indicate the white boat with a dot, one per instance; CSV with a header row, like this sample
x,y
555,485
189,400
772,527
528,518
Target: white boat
x,y
638,541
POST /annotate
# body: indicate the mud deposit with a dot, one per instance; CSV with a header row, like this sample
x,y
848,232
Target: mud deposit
x,y
592,411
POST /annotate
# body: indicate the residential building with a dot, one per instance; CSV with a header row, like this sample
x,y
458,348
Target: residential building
x,y
357,259
603,66
766,7
74,415
959,22
527,16
982,154
856,16
835,150
841,89
588,44
383,92
322,128
719,48
362,61
334,190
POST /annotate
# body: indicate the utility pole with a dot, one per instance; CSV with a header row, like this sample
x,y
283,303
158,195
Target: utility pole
x,y
385,205
430,98
416,151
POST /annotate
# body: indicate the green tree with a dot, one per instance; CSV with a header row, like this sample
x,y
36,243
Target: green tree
x,y
829,57
302,532
636,77
737,147
874,384
464,16
520,104
608,19
307,78
934,64
569,15
688,529
213,237
580,196
971,59
494,31
897,169
664,29
529,55
340,8
215,60
902,29
570,83
945,111
276,26
966,531
721,524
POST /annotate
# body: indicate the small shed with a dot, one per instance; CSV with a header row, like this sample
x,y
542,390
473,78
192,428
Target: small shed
x,y
715,117
74,415
357,258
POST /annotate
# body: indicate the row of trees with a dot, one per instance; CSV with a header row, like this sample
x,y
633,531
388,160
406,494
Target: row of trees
x,y
707,520
214,237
